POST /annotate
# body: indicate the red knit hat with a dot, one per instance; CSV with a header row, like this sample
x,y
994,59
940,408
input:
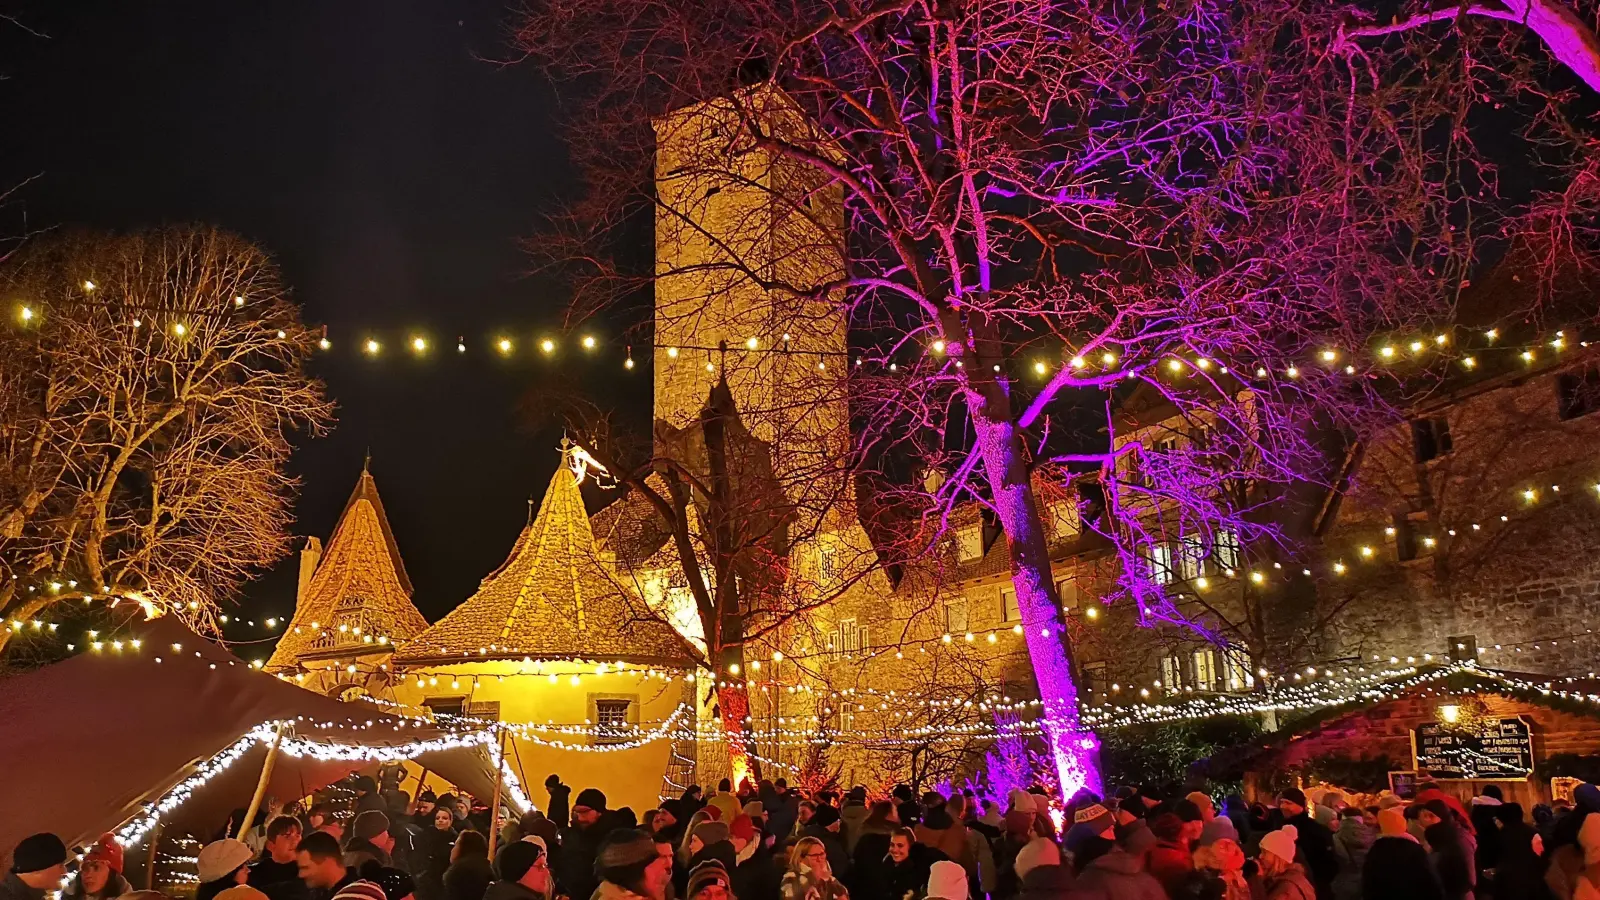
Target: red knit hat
x,y
742,827
108,851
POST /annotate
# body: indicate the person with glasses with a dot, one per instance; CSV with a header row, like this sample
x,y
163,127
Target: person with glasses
x,y
809,876
524,873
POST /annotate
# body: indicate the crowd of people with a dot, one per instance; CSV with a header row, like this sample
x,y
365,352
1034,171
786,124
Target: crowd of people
x,y
769,842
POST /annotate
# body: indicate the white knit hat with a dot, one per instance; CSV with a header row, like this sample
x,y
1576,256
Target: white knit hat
x,y
1022,801
947,881
218,859
1280,843
1041,851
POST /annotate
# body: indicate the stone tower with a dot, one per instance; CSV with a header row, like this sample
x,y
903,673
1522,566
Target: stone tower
x,y
749,248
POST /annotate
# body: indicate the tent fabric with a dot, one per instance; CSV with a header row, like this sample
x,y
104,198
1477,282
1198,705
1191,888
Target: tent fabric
x,y
89,742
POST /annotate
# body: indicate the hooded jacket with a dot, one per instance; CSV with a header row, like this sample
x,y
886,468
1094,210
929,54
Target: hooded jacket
x,y
1116,875
944,834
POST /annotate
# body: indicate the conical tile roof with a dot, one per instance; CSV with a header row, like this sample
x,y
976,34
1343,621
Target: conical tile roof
x,y
553,598
360,582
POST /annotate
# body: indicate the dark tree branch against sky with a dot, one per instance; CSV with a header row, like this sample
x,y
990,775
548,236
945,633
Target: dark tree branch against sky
x,y
391,168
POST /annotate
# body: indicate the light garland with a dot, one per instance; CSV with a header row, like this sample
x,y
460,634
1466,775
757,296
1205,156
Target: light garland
x,y
137,828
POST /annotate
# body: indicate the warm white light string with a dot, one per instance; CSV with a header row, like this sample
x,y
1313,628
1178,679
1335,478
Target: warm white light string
x,y
139,827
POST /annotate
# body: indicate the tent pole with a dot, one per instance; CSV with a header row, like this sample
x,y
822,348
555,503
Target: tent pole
x,y
261,786
499,776
150,863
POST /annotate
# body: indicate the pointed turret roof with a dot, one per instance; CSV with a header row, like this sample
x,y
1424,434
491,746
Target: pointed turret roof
x,y
361,579
555,597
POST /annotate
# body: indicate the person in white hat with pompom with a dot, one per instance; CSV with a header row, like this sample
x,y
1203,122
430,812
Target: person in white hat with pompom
x,y
1281,877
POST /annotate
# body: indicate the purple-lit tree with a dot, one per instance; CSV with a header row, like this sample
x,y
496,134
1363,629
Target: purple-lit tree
x,y
1039,208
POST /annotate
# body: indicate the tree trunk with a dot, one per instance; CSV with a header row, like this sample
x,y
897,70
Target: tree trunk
x,y
735,706
1073,750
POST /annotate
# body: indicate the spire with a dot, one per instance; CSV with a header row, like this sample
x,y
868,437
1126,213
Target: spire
x,y
359,582
553,598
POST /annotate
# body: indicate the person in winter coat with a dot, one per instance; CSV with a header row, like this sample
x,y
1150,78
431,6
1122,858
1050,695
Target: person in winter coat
x,y
1396,867
867,861
432,855
1280,877
1486,826
1115,875
1450,850
708,844
981,876
469,873
726,802
824,827
1223,859
939,830
1314,842
810,876
1350,845
575,865
1169,860
852,816
630,867
100,873
1574,871
903,873
754,875
1519,874
783,809
522,872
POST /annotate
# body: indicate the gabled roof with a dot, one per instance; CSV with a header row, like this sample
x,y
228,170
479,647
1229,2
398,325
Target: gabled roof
x,y
359,578
553,598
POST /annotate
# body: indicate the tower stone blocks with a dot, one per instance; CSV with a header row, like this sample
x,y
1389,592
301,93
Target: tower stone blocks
x,y
750,248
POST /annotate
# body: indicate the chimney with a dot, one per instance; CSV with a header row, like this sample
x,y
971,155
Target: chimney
x,y
309,557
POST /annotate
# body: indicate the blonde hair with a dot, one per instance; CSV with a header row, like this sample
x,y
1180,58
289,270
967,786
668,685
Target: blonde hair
x,y
1271,863
797,853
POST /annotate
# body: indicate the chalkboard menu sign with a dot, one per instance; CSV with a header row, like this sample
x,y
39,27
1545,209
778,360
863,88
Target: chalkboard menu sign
x,y
1502,750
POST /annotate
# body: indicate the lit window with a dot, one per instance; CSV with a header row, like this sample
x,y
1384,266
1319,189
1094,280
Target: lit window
x,y
969,543
1205,669
1160,559
1009,610
611,721
1063,520
955,616
1172,672
1226,550
852,637
1191,557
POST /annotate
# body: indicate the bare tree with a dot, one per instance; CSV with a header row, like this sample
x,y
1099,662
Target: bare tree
x,y
729,542
149,386
1034,205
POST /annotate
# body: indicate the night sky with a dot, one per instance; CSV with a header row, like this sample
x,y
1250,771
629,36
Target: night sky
x,y
376,149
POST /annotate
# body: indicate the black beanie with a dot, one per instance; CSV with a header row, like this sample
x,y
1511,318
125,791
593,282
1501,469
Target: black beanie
x,y
37,853
592,798
516,859
825,816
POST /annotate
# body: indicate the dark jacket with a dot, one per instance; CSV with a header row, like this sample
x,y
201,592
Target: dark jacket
x,y
574,869
468,878
1520,873
757,878
838,856
1397,868
560,811
360,851
12,888
509,890
867,864
721,852
782,811
1116,875
350,877
1315,843
1486,822
429,861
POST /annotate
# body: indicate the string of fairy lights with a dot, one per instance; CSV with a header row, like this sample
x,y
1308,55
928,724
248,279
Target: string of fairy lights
x,y
1454,344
